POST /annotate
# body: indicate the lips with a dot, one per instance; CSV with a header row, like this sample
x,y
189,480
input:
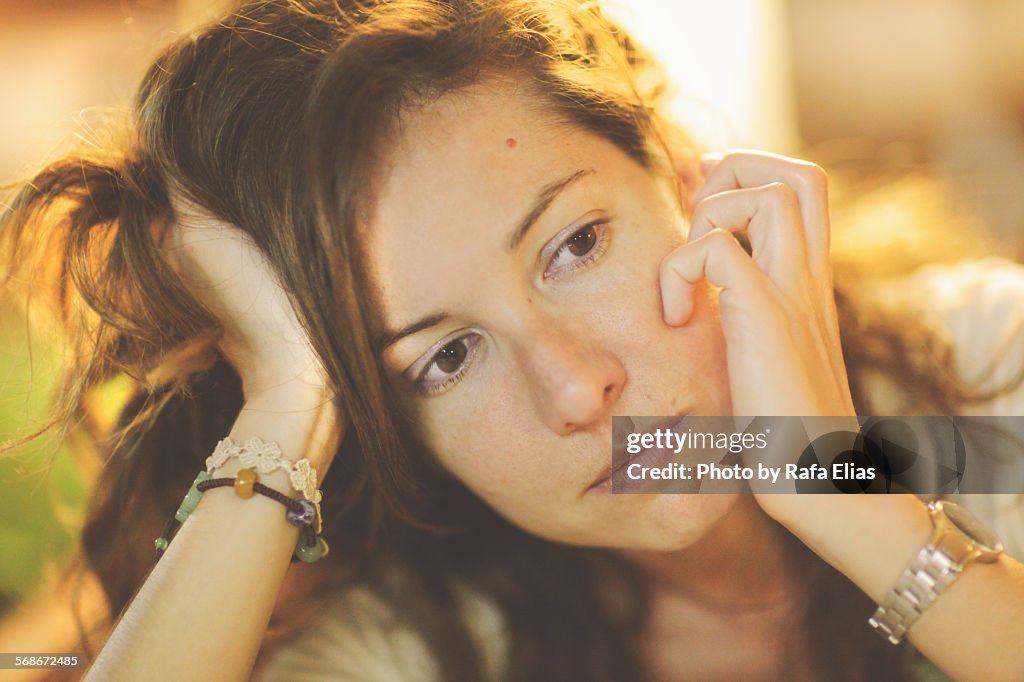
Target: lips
x,y
648,457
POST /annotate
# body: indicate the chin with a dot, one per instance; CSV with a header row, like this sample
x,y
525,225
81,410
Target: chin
x,y
670,523
641,522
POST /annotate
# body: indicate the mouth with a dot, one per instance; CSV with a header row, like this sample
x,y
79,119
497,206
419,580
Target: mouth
x,y
602,484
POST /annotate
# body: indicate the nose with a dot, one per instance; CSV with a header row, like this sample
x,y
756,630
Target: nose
x,y
574,380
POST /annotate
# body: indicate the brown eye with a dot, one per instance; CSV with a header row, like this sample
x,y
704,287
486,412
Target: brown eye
x,y
579,249
581,242
449,365
451,357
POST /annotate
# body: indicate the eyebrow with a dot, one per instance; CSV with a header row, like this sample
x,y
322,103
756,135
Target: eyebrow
x,y
541,204
544,199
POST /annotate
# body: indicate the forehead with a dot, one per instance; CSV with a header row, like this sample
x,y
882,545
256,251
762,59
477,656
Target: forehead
x,y
456,179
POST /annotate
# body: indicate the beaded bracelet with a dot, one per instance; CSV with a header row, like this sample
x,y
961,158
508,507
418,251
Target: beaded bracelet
x,y
301,513
266,458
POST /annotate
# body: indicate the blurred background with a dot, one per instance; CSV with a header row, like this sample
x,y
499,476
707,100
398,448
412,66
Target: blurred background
x,y
874,90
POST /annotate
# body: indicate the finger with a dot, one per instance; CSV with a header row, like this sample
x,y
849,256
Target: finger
x,y
703,169
809,182
719,258
771,217
708,162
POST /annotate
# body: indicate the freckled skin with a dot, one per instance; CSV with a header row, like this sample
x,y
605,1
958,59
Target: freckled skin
x,y
528,426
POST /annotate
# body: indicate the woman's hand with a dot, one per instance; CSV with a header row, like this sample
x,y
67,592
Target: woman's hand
x,y
784,358
263,339
777,306
215,588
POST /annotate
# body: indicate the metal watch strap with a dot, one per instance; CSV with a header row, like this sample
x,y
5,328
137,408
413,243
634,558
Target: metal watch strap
x,y
924,579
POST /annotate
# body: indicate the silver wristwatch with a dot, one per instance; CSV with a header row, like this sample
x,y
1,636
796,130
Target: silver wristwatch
x,y
958,539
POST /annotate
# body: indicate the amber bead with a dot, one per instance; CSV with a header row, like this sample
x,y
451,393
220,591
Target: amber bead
x,y
245,479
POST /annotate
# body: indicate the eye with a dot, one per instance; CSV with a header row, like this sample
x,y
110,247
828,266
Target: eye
x,y
447,365
580,248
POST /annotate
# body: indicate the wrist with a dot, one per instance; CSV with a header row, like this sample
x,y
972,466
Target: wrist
x,y
958,539
303,418
268,386
868,538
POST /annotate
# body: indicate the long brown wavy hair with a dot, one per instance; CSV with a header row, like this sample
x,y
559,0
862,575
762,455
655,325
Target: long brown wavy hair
x,y
271,120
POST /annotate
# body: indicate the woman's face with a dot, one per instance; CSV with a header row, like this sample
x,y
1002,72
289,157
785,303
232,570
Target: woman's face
x,y
516,262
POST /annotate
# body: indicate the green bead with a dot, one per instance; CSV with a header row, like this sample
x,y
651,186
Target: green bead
x,y
311,554
191,499
160,544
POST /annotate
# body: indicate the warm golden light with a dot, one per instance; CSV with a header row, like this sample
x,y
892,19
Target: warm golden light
x,y
729,63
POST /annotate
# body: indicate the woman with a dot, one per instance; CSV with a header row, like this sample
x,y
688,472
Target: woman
x,y
431,248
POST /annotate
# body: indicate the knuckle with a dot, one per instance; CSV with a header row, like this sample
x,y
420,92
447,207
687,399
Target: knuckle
x,y
743,154
671,259
735,158
780,195
813,177
719,238
700,211
730,156
727,246
779,191
665,268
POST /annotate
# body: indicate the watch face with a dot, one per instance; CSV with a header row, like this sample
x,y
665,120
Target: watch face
x,y
971,525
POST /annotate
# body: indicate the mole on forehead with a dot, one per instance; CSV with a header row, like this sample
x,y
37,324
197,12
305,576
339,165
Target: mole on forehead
x,y
510,142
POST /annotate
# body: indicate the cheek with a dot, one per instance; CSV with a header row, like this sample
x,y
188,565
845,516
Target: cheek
x,y
672,369
705,368
473,434
501,451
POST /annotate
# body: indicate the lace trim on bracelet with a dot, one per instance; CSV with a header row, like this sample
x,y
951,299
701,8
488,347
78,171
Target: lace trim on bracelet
x,y
266,458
